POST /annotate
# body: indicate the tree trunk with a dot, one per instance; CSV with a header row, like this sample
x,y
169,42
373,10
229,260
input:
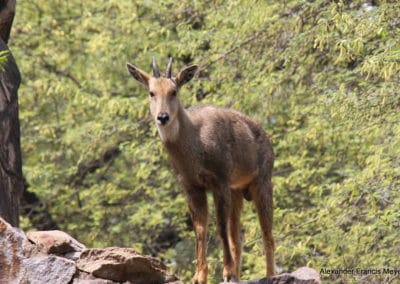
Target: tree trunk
x,y
11,181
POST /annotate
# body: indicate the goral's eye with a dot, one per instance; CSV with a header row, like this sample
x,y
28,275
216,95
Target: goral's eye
x,y
151,94
173,93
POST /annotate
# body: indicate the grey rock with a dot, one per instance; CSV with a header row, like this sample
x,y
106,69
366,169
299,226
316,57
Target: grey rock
x,y
74,255
49,269
307,273
86,278
14,248
303,275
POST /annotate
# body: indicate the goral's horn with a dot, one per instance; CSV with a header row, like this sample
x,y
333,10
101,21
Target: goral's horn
x,y
168,73
156,71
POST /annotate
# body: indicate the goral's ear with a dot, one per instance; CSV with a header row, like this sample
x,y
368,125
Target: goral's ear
x,y
186,75
138,74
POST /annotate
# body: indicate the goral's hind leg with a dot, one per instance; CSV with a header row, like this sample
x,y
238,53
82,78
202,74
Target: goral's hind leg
x,y
261,192
235,239
222,200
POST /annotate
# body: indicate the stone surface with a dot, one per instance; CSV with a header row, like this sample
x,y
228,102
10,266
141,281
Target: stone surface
x,y
55,242
57,258
307,273
49,269
86,278
13,243
73,255
123,264
53,256
303,275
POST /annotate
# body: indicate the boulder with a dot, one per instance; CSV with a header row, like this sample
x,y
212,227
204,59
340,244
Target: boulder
x,y
303,275
307,273
123,264
14,247
86,278
53,256
49,269
22,262
55,242
57,258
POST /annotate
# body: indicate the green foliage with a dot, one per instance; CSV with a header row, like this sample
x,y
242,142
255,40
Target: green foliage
x,y
321,76
3,58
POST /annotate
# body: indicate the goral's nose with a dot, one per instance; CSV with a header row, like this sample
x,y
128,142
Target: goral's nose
x,y
163,118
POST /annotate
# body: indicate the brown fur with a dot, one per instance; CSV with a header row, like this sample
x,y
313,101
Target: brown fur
x,y
221,151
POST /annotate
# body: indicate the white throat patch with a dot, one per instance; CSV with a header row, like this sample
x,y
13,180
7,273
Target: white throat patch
x,y
169,132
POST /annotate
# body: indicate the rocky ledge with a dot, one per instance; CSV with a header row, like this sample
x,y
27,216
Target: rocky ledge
x,y
57,258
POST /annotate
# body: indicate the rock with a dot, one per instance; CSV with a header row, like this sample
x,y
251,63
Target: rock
x,y
123,264
73,255
20,261
54,256
14,246
55,242
303,275
49,269
32,259
307,273
86,278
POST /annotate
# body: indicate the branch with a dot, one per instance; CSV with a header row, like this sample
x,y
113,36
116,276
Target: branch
x,y
233,49
105,159
52,68
59,72
83,170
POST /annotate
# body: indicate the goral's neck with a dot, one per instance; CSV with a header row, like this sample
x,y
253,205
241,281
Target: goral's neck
x,y
171,132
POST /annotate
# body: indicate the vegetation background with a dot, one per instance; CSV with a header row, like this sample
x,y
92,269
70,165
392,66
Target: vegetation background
x,y
322,77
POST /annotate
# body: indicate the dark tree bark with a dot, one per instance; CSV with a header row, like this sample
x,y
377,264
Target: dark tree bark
x,y
7,12
11,180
